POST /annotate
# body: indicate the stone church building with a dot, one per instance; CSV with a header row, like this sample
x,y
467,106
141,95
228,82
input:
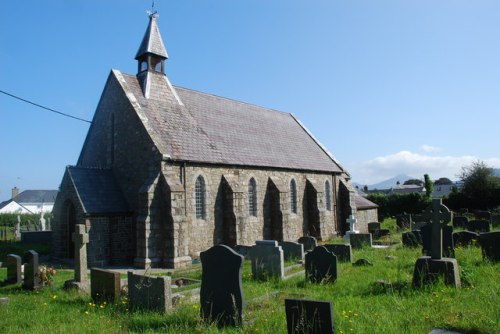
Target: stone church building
x,y
166,172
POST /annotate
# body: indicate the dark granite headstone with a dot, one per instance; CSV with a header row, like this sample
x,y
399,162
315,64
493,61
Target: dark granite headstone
x,y
360,240
221,294
149,292
309,316
14,263
321,265
104,285
478,226
343,252
460,221
31,275
495,221
403,221
490,244
292,250
447,243
267,260
482,215
376,231
464,238
309,243
411,239
243,250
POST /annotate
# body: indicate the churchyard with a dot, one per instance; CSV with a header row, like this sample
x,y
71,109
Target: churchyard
x,y
366,290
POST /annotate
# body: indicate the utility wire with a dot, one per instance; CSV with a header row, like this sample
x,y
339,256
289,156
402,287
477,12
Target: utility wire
x,y
46,108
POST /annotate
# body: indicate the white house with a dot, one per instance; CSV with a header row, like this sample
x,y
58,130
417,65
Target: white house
x,y
29,201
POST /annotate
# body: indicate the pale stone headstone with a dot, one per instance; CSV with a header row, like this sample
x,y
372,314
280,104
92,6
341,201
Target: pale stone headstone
x,y
149,292
343,252
309,316
267,260
352,228
292,250
17,228
14,263
80,240
221,292
104,285
321,266
42,222
31,275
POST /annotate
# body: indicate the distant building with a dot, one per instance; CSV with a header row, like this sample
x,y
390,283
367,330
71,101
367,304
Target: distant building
x,y
29,201
399,189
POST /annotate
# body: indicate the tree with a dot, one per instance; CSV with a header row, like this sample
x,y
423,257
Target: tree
x,y
480,186
428,185
413,181
443,181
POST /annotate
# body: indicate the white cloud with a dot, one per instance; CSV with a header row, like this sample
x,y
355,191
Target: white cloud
x,y
413,164
429,149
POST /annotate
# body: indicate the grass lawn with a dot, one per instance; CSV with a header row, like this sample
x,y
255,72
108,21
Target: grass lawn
x,y
360,304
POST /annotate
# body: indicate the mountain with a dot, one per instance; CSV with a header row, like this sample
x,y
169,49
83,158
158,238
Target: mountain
x,y
387,184
496,172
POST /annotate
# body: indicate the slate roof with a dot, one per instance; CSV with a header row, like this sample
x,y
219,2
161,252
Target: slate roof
x,y
363,203
212,129
152,41
36,196
98,190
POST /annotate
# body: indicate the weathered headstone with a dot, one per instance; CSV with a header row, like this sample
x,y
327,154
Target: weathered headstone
x,y
149,292
495,221
460,221
343,252
14,263
478,226
267,260
376,231
417,225
292,250
411,239
80,240
309,316
447,240
428,268
360,240
464,238
321,266
105,285
31,274
352,228
490,245
4,301
309,243
221,293
403,221
482,215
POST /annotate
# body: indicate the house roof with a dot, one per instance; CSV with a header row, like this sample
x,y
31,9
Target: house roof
x,y
188,125
98,190
152,42
363,203
36,196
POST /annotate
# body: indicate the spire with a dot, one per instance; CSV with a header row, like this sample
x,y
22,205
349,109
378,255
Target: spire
x,y
152,42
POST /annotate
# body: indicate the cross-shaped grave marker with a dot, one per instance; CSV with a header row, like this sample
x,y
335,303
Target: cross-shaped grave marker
x,y
352,223
439,216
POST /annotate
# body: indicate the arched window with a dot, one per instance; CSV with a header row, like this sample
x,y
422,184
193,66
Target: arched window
x,y
328,196
293,196
199,189
252,197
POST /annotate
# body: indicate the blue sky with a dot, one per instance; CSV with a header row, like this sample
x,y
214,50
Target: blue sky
x,y
388,87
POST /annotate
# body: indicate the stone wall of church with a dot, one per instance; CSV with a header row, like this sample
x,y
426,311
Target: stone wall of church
x,y
204,233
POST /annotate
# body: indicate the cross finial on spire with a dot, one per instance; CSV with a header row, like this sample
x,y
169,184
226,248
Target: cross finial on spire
x,y
153,12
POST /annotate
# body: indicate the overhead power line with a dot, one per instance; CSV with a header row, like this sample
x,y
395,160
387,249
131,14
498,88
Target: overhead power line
x,y
46,108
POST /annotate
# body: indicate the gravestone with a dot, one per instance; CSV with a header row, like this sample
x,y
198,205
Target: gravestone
x,y
343,252
362,263
309,243
17,228
321,266
308,316
460,221
14,263
150,293
292,250
104,285
411,239
490,245
221,293
243,250
360,240
31,275
42,222
267,260
482,215
495,221
403,221
464,238
80,239
478,226
447,240
352,228
429,268
375,230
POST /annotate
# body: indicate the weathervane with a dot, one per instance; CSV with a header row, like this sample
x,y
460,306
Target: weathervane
x,y
153,12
